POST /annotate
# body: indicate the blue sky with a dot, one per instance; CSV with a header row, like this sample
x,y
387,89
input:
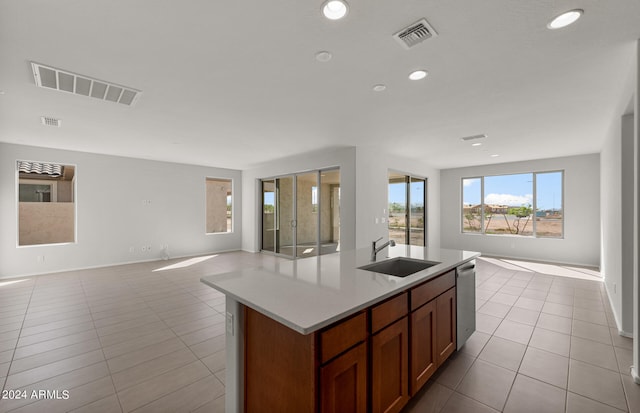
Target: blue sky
x,y
397,192
516,190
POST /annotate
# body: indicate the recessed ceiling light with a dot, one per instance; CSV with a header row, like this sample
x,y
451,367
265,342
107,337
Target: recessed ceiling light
x,y
323,56
495,155
418,74
565,19
379,88
335,9
476,144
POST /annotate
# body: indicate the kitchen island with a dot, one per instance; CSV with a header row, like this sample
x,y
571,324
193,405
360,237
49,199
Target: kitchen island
x,y
295,326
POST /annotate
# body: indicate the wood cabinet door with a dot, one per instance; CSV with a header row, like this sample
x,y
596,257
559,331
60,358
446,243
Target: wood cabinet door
x,y
424,360
343,382
390,368
445,325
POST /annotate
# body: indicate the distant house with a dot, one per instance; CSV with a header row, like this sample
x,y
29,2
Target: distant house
x,y
488,209
497,209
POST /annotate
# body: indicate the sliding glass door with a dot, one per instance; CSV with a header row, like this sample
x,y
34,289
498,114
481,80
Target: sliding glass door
x,y
407,217
307,214
416,211
269,223
277,215
301,214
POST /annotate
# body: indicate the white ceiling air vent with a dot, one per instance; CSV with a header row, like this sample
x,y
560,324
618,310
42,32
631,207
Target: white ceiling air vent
x,y
415,34
47,121
65,81
474,137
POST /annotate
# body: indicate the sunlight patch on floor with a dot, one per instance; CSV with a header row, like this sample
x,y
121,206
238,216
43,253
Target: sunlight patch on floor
x,y
504,264
555,269
185,263
5,283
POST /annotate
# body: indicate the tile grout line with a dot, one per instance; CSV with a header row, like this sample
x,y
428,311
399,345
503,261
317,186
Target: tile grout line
x,y
101,349
6,379
176,336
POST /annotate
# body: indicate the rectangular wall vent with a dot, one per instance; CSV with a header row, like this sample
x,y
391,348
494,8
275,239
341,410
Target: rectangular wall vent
x,y
65,81
47,121
415,34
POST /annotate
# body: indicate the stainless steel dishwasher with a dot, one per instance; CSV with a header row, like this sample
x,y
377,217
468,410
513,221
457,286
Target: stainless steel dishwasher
x,y
466,301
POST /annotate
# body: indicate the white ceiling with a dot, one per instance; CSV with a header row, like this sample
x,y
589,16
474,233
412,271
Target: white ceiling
x,y
233,84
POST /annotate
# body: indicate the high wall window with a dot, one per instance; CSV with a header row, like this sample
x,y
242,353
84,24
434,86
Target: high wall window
x,y
46,203
407,217
527,204
219,205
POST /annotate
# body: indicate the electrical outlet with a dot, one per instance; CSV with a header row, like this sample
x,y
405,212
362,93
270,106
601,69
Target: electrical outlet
x,y
132,250
40,258
229,323
148,247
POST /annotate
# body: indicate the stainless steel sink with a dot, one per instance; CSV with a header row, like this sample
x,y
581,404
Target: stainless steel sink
x,y
399,267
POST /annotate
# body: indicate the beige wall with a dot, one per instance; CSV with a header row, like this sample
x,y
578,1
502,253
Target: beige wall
x,y
46,222
217,191
65,191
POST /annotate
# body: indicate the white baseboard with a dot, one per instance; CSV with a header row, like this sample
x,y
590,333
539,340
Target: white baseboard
x,y
8,277
615,316
634,375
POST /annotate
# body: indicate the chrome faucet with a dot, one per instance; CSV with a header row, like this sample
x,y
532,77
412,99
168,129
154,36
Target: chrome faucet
x,y
375,250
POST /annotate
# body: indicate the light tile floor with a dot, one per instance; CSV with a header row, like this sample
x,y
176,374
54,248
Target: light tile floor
x,y
143,337
545,342
150,337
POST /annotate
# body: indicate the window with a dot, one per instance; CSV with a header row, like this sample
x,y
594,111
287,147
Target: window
x,y
219,205
528,204
407,200
549,211
46,204
471,205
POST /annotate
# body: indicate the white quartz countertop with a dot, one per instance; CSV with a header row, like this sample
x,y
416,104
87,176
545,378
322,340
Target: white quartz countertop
x,y
310,293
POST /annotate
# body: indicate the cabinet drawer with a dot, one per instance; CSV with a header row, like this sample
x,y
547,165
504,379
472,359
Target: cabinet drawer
x,y
342,336
426,292
391,310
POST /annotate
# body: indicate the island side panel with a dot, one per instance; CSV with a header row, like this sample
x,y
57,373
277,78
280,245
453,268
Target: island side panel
x,y
280,367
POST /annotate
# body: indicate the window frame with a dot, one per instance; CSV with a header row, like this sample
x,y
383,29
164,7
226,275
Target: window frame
x,y
534,205
54,185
